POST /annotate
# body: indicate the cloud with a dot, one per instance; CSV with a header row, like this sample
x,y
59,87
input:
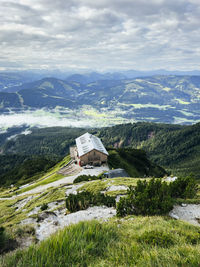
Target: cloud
x,y
51,118
101,34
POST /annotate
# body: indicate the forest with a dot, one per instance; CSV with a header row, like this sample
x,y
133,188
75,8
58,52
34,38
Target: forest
x,y
175,148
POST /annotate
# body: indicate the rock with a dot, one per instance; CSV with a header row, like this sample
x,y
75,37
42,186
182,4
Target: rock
x,y
45,215
184,205
198,219
174,216
118,197
116,188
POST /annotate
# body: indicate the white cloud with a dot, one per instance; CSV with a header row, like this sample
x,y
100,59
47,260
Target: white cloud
x,y
101,34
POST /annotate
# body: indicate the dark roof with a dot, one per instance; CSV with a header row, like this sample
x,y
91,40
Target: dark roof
x,y
116,173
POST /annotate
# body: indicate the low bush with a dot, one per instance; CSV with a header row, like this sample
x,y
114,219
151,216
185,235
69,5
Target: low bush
x,y
84,200
25,230
155,197
83,178
151,198
156,238
6,242
184,187
44,206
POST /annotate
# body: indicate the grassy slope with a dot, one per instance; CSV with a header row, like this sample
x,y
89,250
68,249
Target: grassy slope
x,y
9,216
50,176
115,243
100,185
135,162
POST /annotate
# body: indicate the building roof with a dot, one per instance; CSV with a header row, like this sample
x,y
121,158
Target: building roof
x,y
88,142
116,173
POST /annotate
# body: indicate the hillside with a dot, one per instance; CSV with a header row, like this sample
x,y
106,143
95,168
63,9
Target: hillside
x,y
40,218
168,99
127,242
21,169
174,147
135,162
36,215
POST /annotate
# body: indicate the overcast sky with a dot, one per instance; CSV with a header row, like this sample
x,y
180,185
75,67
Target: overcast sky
x,y
100,34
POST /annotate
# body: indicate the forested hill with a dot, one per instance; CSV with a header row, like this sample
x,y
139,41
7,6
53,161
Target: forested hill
x,y
174,147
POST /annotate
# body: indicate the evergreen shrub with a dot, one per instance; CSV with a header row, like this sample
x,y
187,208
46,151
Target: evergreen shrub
x,y
44,206
84,200
184,187
82,178
6,242
148,198
155,197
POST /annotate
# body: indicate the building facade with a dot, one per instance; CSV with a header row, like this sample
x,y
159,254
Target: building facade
x,y
90,150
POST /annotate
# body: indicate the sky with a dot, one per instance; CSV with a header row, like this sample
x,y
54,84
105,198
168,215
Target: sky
x,y
100,34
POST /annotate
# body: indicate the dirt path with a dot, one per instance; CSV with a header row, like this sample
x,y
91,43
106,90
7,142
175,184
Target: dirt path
x,y
66,180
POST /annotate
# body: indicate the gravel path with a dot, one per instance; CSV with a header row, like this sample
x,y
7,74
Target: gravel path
x,y
66,180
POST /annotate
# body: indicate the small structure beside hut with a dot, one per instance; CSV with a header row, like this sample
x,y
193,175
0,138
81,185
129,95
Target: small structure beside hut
x,y
89,150
116,173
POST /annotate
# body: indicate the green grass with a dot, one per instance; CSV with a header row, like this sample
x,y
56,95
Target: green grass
x,y
9,216
7,192
49,177
56,167
127,242
54,177
100,185
51,195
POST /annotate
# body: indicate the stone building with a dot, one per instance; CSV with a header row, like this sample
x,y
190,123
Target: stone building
x,y
90,150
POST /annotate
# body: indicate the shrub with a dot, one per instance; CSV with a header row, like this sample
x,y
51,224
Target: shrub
x,y
156,238
82,178
151,198
184,187
6,242
25,230
2,237
44,206
84,200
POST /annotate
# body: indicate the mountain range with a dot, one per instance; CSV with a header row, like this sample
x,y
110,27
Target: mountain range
x,y
170,99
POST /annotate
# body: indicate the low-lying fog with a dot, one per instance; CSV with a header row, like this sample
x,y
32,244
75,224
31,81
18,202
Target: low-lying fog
x,y
44,118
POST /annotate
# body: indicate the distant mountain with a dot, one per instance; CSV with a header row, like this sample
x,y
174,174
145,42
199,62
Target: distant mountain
x,y
171,99
136,74
17,78
94,76
10,79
